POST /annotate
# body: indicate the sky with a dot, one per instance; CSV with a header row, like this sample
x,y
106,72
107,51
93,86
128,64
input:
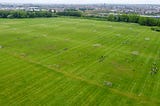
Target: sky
x,y
84,1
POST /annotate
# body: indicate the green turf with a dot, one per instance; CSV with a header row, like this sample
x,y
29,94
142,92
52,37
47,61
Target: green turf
x,y
64,61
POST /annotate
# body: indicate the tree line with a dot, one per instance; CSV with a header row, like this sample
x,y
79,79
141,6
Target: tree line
x,y
24,14
70,12
131,18
134,18
34,14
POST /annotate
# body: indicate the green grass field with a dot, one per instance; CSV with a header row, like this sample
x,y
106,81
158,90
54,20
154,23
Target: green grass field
x,y
64,61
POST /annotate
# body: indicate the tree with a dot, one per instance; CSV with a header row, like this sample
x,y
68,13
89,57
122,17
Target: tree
x,y
70,13
133,18
158,23
142,21
111,17
124,18
148,21
4,14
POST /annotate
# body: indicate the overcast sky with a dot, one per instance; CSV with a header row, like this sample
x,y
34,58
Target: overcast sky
x,y
84,1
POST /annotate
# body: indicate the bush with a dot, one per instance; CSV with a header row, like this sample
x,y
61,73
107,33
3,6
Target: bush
x,y
156,29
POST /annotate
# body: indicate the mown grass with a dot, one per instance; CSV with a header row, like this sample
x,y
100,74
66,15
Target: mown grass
x,y
55,62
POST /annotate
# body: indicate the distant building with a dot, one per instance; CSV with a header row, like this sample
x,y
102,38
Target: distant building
x,y
33,9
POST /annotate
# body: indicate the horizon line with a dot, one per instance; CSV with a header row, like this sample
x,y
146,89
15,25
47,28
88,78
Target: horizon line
x,y
84,3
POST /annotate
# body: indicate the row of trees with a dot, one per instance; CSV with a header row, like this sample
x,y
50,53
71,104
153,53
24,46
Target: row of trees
x,y
70,12
24,14
30,14
133,18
